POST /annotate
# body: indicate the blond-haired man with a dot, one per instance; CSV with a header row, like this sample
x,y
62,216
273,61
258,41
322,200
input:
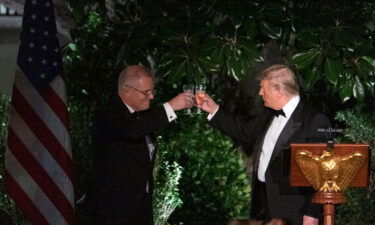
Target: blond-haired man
x,y
285,119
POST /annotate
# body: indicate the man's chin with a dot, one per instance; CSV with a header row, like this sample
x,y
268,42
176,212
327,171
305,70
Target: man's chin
x,y
142,108
146,107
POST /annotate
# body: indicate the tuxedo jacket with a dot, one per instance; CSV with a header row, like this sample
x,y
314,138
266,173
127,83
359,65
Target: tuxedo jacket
x,y
121,162
282,200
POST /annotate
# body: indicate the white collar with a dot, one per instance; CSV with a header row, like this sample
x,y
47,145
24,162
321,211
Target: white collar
x,y
291,106
130,108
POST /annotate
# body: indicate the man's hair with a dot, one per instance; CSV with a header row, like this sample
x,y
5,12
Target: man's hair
x,y
281,76
131,75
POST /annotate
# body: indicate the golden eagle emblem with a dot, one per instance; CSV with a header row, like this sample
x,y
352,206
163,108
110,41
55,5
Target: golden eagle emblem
x,y
329,172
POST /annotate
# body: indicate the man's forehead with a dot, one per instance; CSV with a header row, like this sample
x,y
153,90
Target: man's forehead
x,y
146,81
264,81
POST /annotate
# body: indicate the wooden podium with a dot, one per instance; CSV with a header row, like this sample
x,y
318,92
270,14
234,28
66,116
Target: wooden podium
x,y
326,196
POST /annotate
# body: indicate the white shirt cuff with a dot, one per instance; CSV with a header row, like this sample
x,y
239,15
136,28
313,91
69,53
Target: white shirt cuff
x,y
210,116
170,112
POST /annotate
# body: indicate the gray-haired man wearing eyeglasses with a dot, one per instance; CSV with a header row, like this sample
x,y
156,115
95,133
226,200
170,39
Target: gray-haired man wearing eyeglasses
x,y
124,152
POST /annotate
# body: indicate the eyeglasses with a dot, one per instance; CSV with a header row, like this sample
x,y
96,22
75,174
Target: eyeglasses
x,y
145,93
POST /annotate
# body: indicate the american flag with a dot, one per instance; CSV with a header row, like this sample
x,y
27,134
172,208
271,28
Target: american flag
x,y
38,174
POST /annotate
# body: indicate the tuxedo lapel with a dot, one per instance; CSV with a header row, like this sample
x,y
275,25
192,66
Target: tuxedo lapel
x,y
290,128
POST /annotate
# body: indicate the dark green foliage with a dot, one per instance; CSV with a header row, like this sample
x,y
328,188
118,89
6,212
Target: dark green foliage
x,y
360,128
6,204
90,64
359,208
329,43
214,186
80,134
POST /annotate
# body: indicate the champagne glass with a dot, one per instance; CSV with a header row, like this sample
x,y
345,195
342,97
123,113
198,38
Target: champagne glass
x,y
200,92
188,88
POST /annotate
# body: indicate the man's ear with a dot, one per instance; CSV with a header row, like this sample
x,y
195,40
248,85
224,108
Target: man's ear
x,y
280,92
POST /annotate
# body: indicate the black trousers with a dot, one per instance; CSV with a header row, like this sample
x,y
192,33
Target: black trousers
x,y
145,212
259,206
139,214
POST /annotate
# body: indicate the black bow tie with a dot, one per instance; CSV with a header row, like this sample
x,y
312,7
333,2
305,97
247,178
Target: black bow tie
x,y
277,113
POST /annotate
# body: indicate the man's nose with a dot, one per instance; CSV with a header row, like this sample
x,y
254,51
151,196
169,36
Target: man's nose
x,y
151,96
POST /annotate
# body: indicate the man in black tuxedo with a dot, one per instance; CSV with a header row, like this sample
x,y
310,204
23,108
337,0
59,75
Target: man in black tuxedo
x,y
285,119
124,152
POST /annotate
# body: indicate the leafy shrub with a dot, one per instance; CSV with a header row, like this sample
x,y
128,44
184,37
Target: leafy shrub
x,y
6,203
214,186
360,128
166,194
360,205
80,115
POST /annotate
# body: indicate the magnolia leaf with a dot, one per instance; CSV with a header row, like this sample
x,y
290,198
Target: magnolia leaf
x,y
370,86
251,52
365,48
249,28
270,30
345,92
308,37
197,67
228,52
208,64
235,67
332,69
209,47
364,68
245,67
121,54
358,89
169,61
346,86
177,72
218,55
311,77
304,59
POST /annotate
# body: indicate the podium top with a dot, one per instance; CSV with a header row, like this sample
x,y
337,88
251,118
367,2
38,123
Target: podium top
x,y
312,145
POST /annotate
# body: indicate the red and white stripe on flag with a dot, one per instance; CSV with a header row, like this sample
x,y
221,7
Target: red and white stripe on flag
x,y
38,163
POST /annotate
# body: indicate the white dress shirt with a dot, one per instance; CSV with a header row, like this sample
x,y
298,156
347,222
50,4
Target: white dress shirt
x,y
170,112
210,116
273,134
